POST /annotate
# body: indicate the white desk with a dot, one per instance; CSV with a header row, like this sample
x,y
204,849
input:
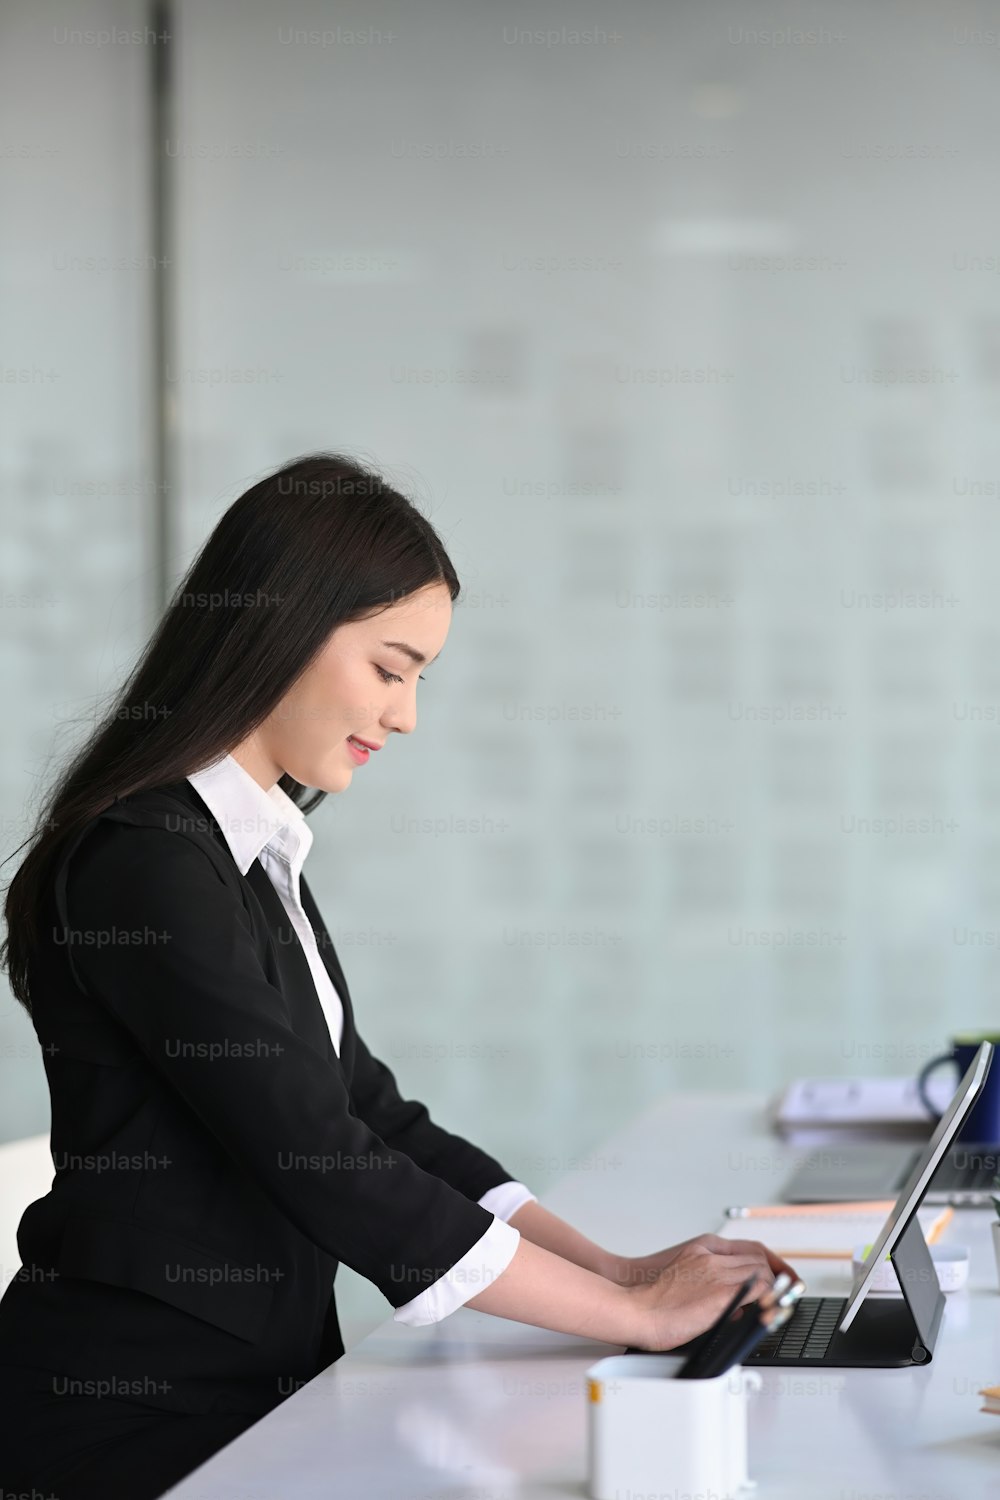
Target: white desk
x,y
480,1408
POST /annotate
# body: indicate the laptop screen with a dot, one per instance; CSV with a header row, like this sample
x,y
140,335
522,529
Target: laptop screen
x,y
915,1185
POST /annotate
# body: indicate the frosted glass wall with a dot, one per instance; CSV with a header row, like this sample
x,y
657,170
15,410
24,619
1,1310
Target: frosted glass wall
x,y
76,487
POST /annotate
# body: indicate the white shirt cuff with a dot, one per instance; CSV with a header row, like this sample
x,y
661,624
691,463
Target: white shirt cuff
x,y
506,1199
477,1269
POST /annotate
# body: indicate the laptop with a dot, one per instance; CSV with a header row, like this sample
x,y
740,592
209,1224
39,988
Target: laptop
x,y
881,1330
848,1174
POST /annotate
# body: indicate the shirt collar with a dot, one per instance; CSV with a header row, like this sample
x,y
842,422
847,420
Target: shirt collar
x,y
250,818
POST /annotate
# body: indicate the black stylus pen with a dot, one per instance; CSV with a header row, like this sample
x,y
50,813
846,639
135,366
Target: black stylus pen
x,y
720,1356
691,1368
733,1332
754,1337
776,1306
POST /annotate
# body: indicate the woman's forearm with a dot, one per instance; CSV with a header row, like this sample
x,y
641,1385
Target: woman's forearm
x,y
658,1302
546,1229
542,1288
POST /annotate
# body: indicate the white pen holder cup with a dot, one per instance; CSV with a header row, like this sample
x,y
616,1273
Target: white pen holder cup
x,y
648,1434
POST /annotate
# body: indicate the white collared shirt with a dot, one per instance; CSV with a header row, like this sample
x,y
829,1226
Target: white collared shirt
x,y
270,827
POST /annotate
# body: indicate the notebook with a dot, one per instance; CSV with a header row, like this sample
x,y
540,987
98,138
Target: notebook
x,y
808,1232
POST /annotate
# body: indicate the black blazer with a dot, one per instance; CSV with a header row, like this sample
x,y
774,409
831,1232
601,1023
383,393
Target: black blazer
x,y
215,1159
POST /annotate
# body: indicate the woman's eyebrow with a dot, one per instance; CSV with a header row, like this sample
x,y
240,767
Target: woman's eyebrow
x,y
410,651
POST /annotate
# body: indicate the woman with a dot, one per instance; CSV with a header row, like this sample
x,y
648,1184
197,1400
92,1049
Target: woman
x,y
222,1137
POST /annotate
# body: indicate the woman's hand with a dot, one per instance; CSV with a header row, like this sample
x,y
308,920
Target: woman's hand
x,y
661,1300
628,1270
679,1292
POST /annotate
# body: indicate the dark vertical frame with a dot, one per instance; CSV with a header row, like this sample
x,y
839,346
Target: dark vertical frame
x,y
161,19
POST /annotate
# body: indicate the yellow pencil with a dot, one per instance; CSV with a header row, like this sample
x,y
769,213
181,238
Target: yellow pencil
x,y
795,1210
940,1225
792,1255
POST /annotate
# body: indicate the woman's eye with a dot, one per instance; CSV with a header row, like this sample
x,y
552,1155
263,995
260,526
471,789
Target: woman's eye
x,y
391,676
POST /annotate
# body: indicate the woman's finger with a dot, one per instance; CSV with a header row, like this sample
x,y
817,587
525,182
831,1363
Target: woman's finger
x,y
744,1247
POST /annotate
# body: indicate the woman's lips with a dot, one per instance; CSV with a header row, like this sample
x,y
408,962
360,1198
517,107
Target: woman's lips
x,y
360,749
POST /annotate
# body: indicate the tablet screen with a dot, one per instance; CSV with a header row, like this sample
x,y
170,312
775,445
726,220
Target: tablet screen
x,y
915,1185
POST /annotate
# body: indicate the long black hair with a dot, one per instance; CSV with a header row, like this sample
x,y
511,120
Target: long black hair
x,y
315,544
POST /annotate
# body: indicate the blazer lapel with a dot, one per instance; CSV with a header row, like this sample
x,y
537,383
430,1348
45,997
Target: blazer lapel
x,y
329,956
296,978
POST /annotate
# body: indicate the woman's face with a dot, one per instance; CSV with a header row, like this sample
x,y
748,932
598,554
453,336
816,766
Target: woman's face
x,y
357,686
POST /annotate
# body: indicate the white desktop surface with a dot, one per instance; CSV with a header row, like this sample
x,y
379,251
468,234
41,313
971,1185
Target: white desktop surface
x,y
480,1408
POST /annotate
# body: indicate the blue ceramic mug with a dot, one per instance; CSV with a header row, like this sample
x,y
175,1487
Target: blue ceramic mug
x,y
982,1124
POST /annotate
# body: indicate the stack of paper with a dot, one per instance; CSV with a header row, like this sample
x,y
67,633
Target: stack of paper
x,y
812,1110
